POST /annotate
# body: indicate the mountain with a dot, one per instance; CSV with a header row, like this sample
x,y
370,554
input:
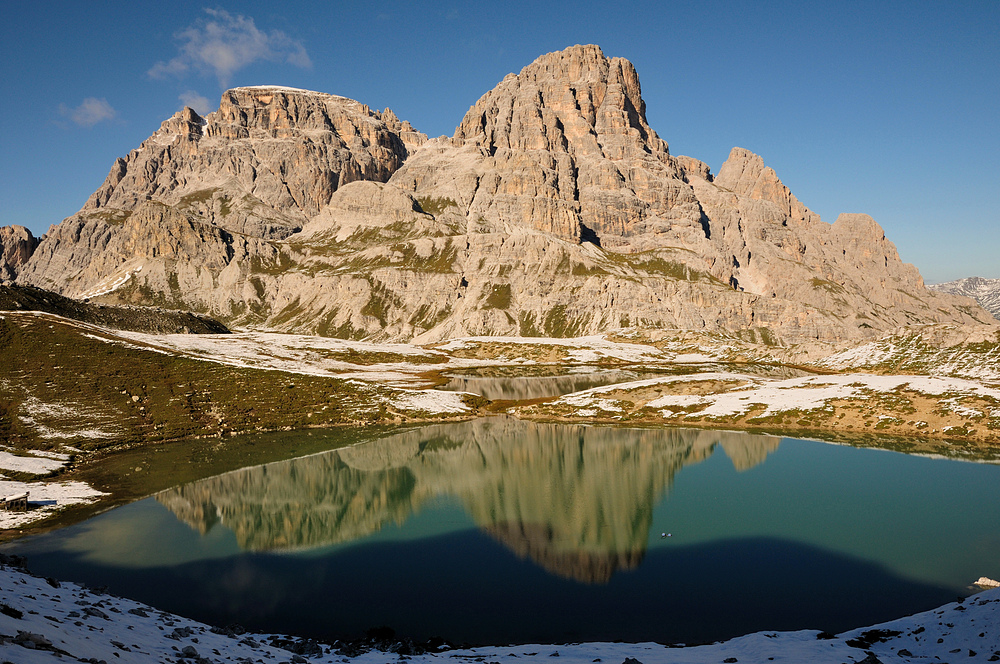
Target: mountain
x,y
553,210
17,244
984,291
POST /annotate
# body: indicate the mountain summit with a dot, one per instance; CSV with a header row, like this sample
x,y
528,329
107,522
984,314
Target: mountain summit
x,y
553,210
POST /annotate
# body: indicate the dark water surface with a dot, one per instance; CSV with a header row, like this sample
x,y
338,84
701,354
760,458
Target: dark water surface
x,y
499,530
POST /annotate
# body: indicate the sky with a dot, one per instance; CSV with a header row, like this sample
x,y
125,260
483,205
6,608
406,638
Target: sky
x,y
887,108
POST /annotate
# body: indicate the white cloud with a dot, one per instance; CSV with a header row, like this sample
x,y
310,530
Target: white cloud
x,y
90,112
200,104
222,44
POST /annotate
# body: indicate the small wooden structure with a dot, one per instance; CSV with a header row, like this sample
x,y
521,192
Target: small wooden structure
x,y
15,503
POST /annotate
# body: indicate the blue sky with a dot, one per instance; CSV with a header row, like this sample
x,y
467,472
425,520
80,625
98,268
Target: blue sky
x,y
887,108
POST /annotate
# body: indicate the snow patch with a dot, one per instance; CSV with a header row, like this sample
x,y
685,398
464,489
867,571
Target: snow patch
x,y
35,465
431,401
44,499
105,287
780,395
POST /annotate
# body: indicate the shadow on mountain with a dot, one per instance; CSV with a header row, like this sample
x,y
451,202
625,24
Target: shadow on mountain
x,y
578,500
465,588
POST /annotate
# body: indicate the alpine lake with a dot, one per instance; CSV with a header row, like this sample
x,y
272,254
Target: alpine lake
x,y
499,530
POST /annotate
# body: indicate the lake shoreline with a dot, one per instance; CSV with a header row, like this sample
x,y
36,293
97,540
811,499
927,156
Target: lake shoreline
x,y
109,495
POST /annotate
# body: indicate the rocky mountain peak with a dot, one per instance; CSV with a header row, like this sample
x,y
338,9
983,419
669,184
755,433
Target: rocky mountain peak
x,y
280,112
745,174
554,210
286,149
576,100
562,147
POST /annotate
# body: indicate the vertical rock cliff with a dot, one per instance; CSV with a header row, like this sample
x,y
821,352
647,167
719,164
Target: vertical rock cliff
x,y
553,210
17,244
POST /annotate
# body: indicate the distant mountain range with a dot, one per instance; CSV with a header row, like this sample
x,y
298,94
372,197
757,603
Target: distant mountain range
x,y
984,291
554,210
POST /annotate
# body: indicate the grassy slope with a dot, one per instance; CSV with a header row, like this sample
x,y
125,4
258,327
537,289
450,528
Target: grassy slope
x,y
72,383
137,319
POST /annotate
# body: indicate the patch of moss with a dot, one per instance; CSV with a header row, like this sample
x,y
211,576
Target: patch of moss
x,y
475,401
828,286
369,358
759,335
289,312
558,324
380,302
498,297
405,255
581,270
280,264
657,265
200,196
111,216
527,326
258,287
427,316
435,206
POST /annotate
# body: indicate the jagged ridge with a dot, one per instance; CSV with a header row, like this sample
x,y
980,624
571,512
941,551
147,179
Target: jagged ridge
x,y
984,291
554,210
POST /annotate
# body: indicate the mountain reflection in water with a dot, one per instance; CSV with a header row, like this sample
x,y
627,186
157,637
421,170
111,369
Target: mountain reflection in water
x,y
535,387
499,383
577,500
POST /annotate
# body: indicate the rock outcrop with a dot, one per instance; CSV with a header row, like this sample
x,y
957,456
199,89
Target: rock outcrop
x,y
17,244
562,147
554,209
288,149
257,168
137,319
984,291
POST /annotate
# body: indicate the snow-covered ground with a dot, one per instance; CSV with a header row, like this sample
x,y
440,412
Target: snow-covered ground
x,y
431,401
35,462
44,621
44,498
736,394
333,357
976,357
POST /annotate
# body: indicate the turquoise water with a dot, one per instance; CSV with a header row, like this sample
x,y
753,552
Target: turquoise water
x,y
500,530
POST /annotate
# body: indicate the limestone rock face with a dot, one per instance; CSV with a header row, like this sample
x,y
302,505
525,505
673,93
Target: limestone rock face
x,y
17,244
288,149
562,147
984,291
254,171
553,210
745,174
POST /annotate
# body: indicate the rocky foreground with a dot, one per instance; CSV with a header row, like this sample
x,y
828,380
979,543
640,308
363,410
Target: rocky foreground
x,y
44,621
